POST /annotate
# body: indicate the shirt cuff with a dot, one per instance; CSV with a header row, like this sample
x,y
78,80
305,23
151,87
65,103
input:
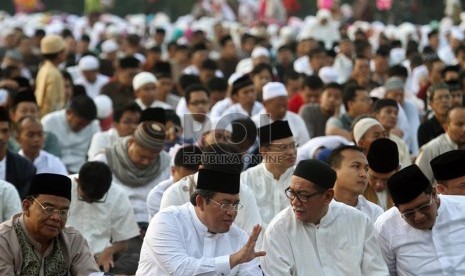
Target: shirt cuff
x,y
222,265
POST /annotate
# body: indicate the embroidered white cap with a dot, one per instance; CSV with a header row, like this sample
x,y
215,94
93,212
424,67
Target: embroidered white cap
x,y
273,90
362,126
142,79
88,63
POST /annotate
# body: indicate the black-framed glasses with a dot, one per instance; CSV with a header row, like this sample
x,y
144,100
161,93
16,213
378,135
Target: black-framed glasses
x,y
291,194
49,210
422,209
228,206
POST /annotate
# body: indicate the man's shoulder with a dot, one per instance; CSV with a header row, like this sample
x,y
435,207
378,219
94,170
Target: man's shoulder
x,y
388,218
284,219
14,157
53,117
6,227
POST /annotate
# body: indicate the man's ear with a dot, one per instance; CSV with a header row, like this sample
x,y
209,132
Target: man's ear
x,y
440,188
26,204
199,200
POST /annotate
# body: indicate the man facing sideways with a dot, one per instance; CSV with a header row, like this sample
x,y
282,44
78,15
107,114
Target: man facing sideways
x,y
199,237
423,234
338,239
449,172
36,241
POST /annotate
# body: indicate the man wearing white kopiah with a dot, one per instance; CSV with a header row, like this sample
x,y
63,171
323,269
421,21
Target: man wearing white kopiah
x,y
90,77
337,239
275,100
268,179
199,237
424,233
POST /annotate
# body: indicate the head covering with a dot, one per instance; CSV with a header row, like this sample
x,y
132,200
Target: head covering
x,y
241,83
328,74
109,46
273,90
406,184
104,106
24,96
150,135
394,83
317,172
449,165
50,184
88,63
323,155
362,126
220,182
153,114
129,62
142,79
380,104
260,52
277,130
383,156
52,44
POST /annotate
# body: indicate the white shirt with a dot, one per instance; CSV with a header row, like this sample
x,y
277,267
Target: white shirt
x,y
439,251
179,193
178,243
220,107
302,65
102,223
429,151
342,244
343,66
10,203
237,108
74,145
155,196
138,195
370,209
307,150
3,168
47,163
102,140
93,89
181,108
296,124
193,129
155,103
268,192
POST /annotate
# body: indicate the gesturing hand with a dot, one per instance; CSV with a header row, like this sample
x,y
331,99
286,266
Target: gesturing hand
x,y
247,253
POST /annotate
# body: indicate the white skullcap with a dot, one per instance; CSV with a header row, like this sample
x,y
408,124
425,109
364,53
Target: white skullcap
x,y
142,79
396,56
234,76
328,74
88,63
323,14
109,46
260,52
140,57
362,126
244,66
273,90
457,33
104,106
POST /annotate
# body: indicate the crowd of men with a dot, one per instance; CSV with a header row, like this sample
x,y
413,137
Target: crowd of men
x,y
219,150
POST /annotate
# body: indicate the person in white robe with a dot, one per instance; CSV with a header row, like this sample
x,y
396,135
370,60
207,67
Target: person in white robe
x,y
449,172
424,233
145,90
351,167
199,237
245,97
275,100
10,203
317,235
90,77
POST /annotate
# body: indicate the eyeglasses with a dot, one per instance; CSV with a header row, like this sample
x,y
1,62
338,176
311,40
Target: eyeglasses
x,y
49,210
301,197
283,147
199,102
422,209
228,206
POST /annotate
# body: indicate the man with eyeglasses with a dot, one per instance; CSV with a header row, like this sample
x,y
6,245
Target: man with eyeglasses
x,y
199,237
268,179
36,241
196,120
101,211
424,233
317,235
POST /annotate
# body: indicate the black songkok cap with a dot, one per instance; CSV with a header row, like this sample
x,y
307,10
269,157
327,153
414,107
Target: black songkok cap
x,y
449,165
241,83
406,184
317,172
383,156
274,131
220,182
162,69
129,62
24,96
153,114
51,184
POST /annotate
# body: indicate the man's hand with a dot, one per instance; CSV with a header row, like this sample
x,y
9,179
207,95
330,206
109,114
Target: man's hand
x,y
105,259
247,253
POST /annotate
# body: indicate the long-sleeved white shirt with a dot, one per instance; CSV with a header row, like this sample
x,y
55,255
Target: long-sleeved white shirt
x,y
370,209
268,192
178,243
47,163
155,195
342,244
10,203
102,140
439,251
179,193
93,89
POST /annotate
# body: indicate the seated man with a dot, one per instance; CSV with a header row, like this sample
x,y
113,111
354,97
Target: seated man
x,y
423,234
10,203
449,171
30,136
103,214
337,239
75,126
145,91
36,242
199,237
366,130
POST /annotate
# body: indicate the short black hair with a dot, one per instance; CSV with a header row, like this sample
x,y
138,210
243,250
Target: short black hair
x,y
188,79
94,179
316,51
195,88
217,84
450,68
160,31
4,117
207,195
334,85
188,157
398,71
130,107
171,116
335,158
313,82
433,33
128,62
83,106
209,64
133,39
247,36
350,93
262,67
291,75
224,39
